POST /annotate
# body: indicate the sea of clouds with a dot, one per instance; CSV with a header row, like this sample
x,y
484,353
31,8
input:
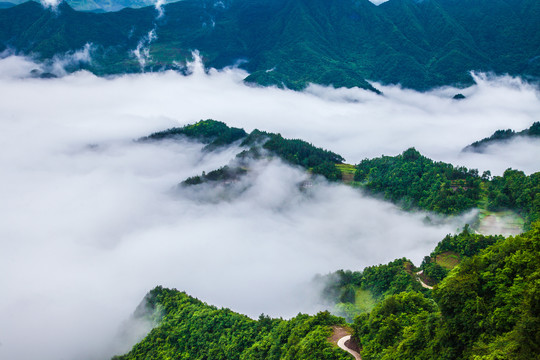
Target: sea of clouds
x,y
90,221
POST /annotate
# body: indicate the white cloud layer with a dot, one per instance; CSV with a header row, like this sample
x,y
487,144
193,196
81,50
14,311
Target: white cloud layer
x,y
88,223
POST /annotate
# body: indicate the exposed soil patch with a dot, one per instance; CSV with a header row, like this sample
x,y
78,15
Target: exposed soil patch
x,y
338,333
347,178
353,345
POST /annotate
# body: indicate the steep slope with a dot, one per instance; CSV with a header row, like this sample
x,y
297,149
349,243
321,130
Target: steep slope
x,y
487,308
191,329
419,44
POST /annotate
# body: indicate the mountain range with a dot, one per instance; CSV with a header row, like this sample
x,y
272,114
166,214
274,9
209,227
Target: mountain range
x,y
291,43
99,5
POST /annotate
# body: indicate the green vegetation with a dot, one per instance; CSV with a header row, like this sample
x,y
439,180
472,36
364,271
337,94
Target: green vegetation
x,y
517,191
415,181
347,172
501,136
222,174
447,260
191,329
464,244
291,43
410,179
296,152
418,182
211,132
357,292
487,308
217,134
451,250
363,302
354,293
401,321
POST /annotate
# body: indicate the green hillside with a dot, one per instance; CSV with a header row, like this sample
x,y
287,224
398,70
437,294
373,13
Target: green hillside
x,y
419,44
191,329
410,179
485,308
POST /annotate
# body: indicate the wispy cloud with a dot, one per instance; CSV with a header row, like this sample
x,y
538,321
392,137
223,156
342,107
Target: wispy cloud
x,y
142,51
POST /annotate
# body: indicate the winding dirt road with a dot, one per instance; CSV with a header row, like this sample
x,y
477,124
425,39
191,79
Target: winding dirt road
x,y
421,282
341,344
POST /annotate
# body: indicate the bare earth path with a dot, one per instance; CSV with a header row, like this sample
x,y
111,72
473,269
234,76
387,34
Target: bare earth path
x,y
342,345
421,282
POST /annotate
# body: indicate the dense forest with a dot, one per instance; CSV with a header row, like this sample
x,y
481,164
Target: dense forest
x,y
486,307
191,329
298,152
291,43
502,136
474,297
515,190
416,181
347,289
410,179
216,134
451,250
222,174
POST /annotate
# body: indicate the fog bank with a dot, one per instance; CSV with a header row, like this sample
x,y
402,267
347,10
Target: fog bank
x,y
89,223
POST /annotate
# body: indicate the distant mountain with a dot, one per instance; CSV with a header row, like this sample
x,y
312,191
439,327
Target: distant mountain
x,y
502,136
103,5
5,5
419,44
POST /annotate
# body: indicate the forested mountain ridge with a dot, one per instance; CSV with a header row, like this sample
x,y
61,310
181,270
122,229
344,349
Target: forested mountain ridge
x,y
216,134
503,136
191,329
409,179
486,308
419,44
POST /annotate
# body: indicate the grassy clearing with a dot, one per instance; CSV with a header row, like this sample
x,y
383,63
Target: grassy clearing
x,y
364,301
346,168
448,260
501,222
347,172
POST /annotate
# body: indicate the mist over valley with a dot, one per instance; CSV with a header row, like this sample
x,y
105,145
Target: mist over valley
x,y
201,146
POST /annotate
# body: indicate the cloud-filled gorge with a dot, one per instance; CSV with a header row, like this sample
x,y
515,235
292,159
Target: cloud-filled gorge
x,y
90,222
